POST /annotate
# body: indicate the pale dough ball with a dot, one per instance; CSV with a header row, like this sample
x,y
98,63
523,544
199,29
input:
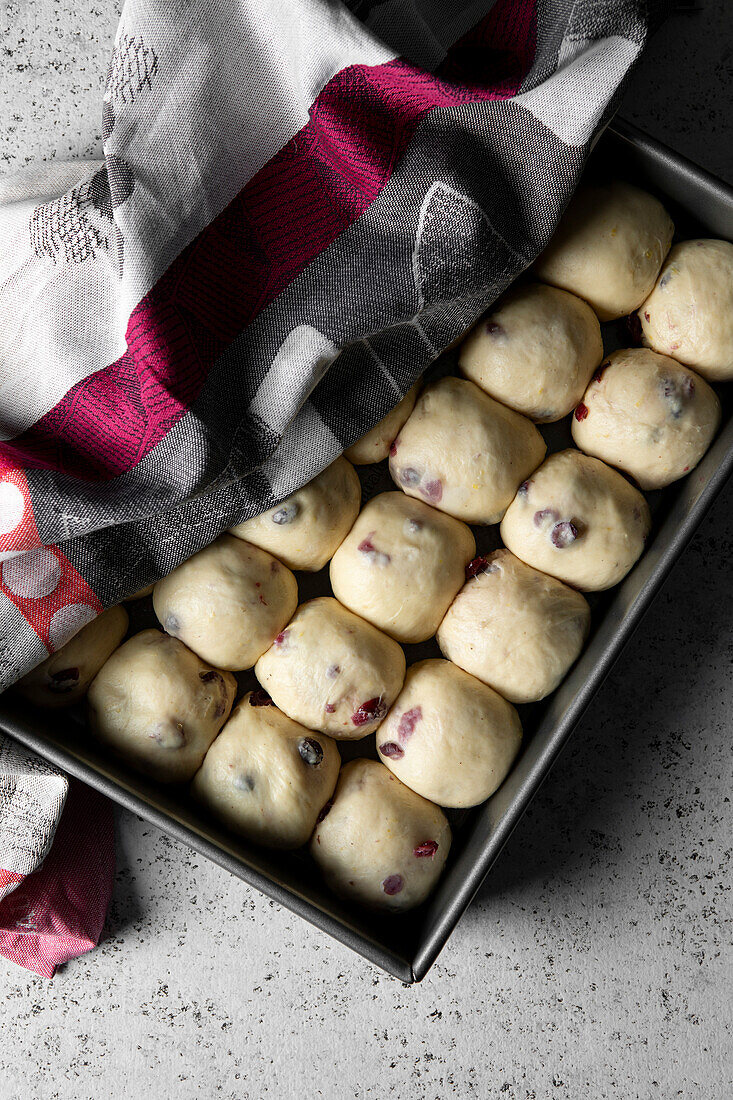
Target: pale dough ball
x,y
516,629
374,446
305,529
449,737
579,520
380,844
647,415
158,706
64,677
227,602
401,565
535,351
689,314
609,247
463,452
332,671
265,777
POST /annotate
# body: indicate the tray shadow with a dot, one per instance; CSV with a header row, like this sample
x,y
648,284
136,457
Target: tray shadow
x,y
641,722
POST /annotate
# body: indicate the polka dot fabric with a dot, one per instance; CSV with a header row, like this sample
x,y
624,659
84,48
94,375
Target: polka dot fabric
x,y
52,597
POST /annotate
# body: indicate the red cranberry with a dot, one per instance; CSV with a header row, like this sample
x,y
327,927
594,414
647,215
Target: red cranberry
x,y
332,671
408,721
434,490
494,329
310,750
479,565
376,557
371,711
286,514
428,848
581,411
408,476
325,811
64,680
599,373
563,534
329,708
281,638
541,517
260,699
393,447
523,489
392,750
392,884
646,316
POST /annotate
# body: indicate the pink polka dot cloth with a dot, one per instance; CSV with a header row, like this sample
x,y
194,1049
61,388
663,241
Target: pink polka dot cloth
x,y
56,862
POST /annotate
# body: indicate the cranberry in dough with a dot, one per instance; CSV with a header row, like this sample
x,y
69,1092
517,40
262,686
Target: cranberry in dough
x,y
332,671
608,247
449,737
648,415
535,351
380,844
578,520
689,314
463,452
265,777
515,628
227,602
401,565
374,446
64,677
158,706
304,530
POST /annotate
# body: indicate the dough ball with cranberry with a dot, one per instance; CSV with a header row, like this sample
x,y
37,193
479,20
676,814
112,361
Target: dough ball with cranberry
x,y
578,520
374,446
227,602
648,415
608,247
159,706
401,565
305,529
448,736
266,777
515,628
64,677
380,844
463,452
535,351
689,314
332,671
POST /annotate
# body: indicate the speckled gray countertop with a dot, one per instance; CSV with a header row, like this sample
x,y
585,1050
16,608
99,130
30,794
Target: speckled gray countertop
x,y
596,960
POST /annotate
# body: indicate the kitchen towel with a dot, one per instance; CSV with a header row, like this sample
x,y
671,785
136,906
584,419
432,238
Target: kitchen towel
x,y
56,868
299,206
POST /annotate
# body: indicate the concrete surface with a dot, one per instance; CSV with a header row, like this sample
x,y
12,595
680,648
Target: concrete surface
x,y
596,961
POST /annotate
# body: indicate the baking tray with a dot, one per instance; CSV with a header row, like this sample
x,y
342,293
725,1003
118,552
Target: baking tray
x,y
406,945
